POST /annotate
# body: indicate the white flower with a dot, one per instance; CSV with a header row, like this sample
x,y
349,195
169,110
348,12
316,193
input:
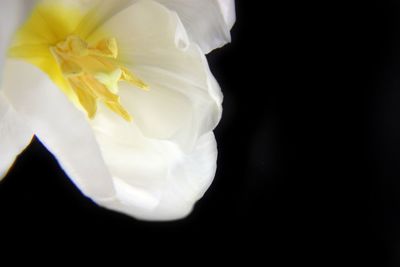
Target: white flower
x,y
76,74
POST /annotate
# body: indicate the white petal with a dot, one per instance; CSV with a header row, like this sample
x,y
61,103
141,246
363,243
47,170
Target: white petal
x,y
154,180
14,135
61,127
184,100
12,13
208,22
228,11
164,161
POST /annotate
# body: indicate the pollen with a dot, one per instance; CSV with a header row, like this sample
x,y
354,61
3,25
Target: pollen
x,y
88,73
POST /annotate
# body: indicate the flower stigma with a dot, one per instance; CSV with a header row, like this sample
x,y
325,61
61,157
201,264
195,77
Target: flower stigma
x,y
88,72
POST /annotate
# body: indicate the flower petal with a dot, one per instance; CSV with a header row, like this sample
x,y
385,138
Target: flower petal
x,y
228,11
154,180
12,13
184,100
61,127
164,161
14,135
208,22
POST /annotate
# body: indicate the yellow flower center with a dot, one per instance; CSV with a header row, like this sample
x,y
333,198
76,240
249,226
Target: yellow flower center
x,y
93,73
54,40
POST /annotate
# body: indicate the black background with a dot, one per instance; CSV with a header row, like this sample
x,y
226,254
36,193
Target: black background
x,y
309,151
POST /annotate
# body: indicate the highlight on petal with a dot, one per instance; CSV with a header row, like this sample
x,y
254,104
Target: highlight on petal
x,y
14,135
208,22
61,127
184,101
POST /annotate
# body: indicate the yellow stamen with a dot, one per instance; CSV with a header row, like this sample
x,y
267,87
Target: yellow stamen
x,y
86,72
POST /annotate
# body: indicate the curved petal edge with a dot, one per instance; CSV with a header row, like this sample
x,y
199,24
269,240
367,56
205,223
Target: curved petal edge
x,y
187,180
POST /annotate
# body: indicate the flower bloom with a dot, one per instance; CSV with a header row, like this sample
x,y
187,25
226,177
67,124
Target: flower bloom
x,y
120,92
